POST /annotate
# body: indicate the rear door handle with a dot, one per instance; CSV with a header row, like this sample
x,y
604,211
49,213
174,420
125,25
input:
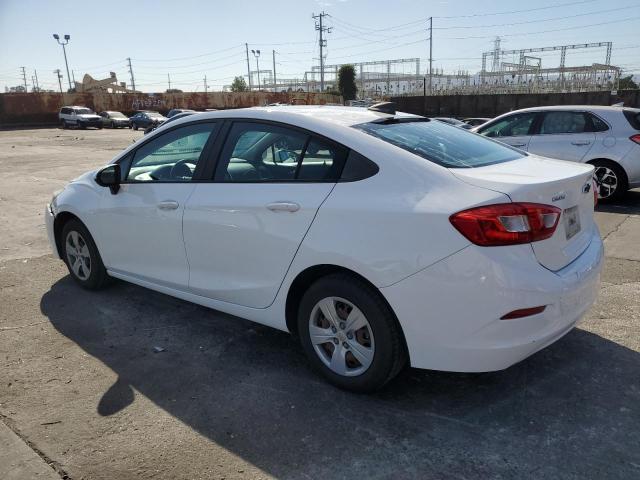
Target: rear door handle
x,y
168,205
283,207
586,142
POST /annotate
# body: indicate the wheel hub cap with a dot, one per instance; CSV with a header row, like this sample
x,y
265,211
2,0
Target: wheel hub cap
x,y
78,255
341,336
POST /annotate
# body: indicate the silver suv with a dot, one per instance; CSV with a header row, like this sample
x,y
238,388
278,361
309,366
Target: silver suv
x,y
606,137
81,117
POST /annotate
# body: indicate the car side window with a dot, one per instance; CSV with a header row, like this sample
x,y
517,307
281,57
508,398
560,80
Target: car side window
x,y
597,124
321,161
172,156
563,122
256,152
511,126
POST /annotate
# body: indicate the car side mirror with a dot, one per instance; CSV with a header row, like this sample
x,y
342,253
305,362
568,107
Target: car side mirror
x,y
109,176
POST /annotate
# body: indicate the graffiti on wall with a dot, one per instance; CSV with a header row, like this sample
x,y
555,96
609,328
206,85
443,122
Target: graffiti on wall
x,y
147,102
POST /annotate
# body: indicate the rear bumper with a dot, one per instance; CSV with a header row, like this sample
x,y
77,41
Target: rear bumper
x,y
450,312
49,219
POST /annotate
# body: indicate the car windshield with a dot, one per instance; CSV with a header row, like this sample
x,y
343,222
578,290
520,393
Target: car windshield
x,y
117,115
440,143
153,114
83,111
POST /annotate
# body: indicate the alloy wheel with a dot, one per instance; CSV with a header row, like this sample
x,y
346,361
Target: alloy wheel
x,y
607,181
78,255
341,336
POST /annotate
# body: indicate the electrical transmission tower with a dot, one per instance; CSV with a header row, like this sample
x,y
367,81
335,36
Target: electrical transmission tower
x,y
322,42
24,77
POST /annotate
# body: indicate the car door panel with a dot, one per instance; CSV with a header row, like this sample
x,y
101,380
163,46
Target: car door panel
x,y
241,237
141,234
140,227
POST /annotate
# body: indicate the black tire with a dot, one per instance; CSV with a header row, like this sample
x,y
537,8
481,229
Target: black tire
x,y
390,353
622,183
99,127
113,125
64,125
134,126
97,277
81,126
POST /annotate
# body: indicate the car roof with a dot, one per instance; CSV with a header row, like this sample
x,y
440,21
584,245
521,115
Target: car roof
x,y
345,116
570,107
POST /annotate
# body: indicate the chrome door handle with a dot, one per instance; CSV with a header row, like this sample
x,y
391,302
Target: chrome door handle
x,y
283,207
168,205
518,144
581,143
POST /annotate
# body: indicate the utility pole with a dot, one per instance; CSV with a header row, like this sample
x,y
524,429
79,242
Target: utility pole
x,y
205,84
169,80
274,70
64,50
133,80
430,55
24,77
323,43
59,75
246,46
35,73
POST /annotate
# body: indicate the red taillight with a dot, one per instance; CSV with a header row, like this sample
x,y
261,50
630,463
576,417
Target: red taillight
x,y
523,312
635,138
507,223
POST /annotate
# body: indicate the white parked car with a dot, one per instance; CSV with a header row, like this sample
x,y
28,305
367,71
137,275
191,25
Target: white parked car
x,y
81,117
380,239
606,137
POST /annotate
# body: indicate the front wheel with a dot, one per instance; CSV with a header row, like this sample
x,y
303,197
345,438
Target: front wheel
x,y
611,180
135,127
81,255
349,334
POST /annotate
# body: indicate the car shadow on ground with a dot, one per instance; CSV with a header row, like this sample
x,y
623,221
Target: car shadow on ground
x,y
570,411
629,204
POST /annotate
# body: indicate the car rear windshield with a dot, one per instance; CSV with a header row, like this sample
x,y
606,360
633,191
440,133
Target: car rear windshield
x,y
440,143
633,117
83,111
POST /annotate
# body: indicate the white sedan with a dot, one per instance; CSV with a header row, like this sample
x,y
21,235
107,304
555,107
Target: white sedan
x,y
380,239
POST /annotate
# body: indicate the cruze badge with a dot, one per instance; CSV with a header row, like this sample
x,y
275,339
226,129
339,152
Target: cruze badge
x,y
558,196
586,188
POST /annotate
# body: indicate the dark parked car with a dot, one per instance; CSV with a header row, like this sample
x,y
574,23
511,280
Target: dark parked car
x,y
175,117
474,122
114,119
453,121
146,119
176,111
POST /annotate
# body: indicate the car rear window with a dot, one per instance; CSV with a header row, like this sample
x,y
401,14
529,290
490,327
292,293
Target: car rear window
x,y
633,117
440,143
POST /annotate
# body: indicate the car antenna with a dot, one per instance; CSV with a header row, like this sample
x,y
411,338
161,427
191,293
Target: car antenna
x,y
384,107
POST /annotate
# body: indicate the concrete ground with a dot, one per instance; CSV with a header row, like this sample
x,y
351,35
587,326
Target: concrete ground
x,y
81,386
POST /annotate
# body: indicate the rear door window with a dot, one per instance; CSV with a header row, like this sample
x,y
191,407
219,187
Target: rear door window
x,y
443,144
563,122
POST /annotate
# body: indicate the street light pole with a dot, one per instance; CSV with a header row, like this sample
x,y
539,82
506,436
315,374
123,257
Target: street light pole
x,y
256,53
64,51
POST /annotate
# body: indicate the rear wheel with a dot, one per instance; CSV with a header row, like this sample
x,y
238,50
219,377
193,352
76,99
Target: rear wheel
x,y
135,127
611,179
81,255
349,334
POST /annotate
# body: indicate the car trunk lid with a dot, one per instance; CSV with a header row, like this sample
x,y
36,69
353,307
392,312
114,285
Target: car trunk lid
x,y
566,185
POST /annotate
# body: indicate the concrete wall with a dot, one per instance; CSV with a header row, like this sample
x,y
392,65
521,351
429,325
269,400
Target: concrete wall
x,y
42,108
493,105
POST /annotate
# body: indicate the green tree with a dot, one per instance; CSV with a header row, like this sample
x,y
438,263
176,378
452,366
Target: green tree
x,y
347,82
627,83
239,85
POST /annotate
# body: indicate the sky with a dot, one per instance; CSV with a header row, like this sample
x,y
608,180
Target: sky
x,y
189,39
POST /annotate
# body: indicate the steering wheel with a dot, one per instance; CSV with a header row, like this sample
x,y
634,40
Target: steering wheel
x,y
181,169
